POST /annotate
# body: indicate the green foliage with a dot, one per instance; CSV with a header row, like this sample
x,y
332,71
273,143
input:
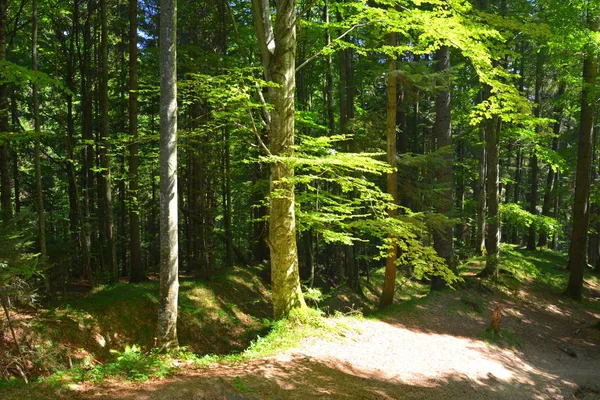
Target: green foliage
x,y
514,215
131,364
507,337
18,265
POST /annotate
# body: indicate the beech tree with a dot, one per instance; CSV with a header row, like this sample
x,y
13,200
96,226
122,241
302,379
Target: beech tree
x,y
278,50
169,247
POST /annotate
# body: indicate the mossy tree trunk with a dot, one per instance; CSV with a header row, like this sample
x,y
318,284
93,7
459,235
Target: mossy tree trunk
x,y
278,50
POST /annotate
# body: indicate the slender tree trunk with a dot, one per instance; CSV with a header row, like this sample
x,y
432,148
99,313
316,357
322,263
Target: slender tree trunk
x,y
38,145
5,195
480,193
577,249
227,207
492,238
533,160
328,75
389,283
517,189
15,159
105,178
137,269
87,136
550,188
443,238
278,49
169,243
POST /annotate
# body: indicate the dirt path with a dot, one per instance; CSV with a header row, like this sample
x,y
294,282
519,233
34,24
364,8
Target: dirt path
x,y
432,351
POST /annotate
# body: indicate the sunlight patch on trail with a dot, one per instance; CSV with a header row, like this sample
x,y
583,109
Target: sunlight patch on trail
x,y
392,352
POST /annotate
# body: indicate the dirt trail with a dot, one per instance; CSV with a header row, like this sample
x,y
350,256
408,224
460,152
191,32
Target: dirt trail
x,y
433,351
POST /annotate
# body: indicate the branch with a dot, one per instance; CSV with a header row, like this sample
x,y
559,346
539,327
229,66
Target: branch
x,y
260,141
301,13
308,60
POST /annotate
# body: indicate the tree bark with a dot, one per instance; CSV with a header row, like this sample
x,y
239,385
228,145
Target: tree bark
x,y
169,246
37,132
550,188
278,49
443,238
533,160
5,195
104,176
577,248
389,283
137,269
492,238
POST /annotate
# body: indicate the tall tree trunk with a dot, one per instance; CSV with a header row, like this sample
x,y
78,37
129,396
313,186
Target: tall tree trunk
x,y
328,74
389,283
227,207
169,242
5,195
550,188
15,159
87,136
443,238
105,178
517,189
480,193
38,145
278,49
577,249
533,160
492,238
137,269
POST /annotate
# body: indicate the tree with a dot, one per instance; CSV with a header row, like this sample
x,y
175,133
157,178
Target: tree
x,y
443,238
579,231
5,202
278,51
389,283
137,269
37,132
104,176
169,247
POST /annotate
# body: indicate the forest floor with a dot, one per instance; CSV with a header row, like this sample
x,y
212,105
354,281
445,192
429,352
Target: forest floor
x,y
435,351
435,347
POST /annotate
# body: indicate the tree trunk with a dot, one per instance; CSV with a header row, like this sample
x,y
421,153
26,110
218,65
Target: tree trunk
x,y
15,161
443,238
480,193
5,195
169,244
137,269
492,238
38,145
389,283
550,188
533,160
517,189
328,74
105,178
577,249
87,136
278,48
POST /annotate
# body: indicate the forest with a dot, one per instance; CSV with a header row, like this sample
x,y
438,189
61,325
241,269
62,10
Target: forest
x,y
193,190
